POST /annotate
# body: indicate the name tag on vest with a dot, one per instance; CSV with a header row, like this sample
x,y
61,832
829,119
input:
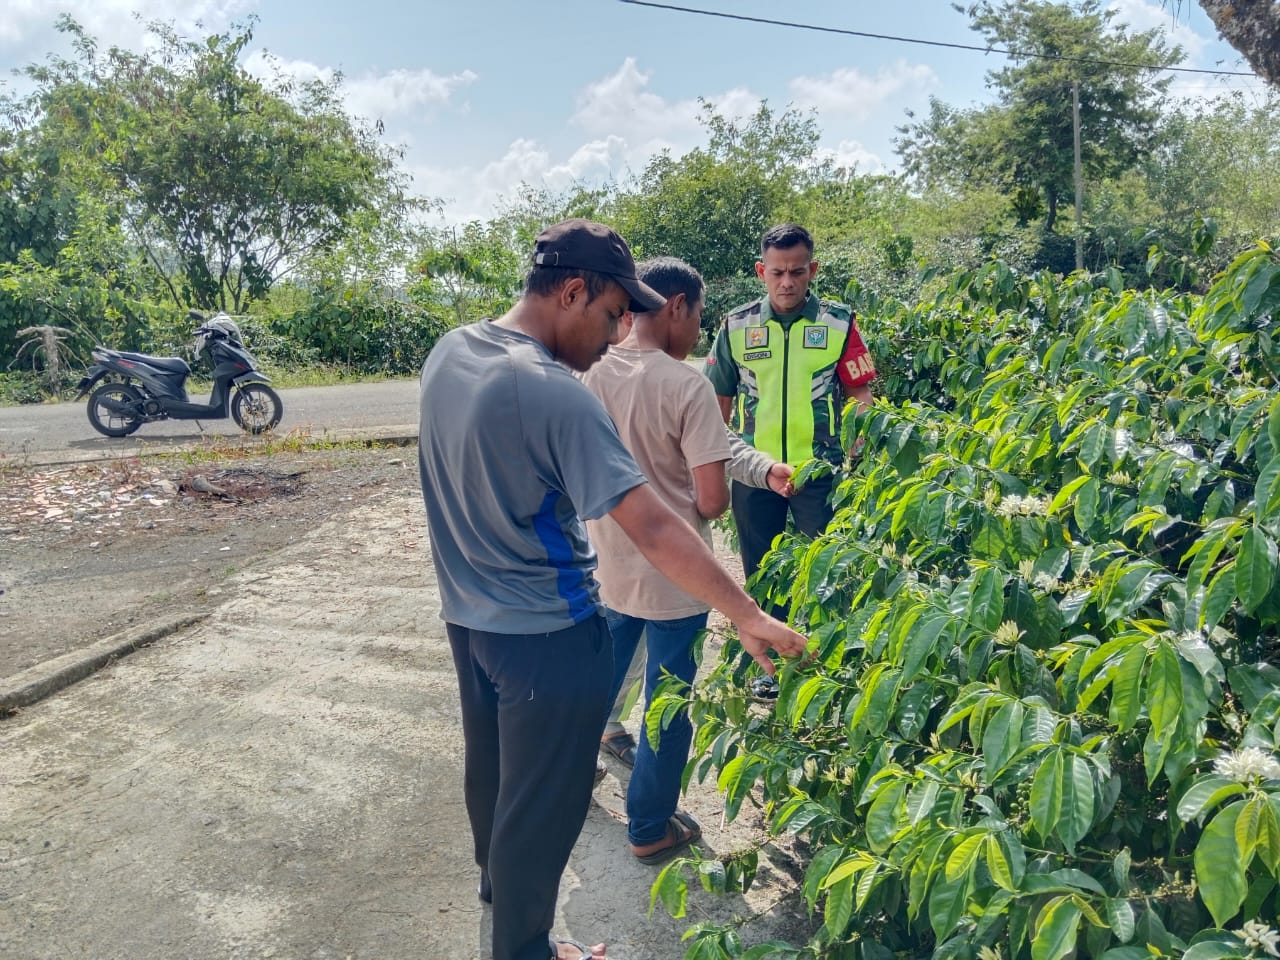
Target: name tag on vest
x,y
757,355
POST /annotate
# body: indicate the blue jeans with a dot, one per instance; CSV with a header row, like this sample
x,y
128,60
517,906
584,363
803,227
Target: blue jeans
x,y
655,780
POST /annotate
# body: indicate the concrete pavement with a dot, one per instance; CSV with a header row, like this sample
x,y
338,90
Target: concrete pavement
x,y
284,780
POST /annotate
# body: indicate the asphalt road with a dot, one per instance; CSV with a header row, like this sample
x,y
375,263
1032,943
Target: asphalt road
x,y
43,431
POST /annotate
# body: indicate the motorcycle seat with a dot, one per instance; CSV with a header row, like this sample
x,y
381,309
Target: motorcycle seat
x,y
171,364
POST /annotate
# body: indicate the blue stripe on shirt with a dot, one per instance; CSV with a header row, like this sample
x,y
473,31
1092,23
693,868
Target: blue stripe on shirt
x,y
571,582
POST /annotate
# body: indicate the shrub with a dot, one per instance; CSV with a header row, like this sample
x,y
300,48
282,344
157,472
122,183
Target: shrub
x,y
1042,714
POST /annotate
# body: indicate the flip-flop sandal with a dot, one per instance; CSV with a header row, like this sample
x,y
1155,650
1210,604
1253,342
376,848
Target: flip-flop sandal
x,y
601,771
621,746
683,830
586,952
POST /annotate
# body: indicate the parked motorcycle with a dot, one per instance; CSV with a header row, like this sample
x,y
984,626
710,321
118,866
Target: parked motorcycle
x,y
137,388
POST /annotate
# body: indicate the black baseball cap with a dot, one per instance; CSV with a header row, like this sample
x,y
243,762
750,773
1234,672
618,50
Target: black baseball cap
x,y
580,244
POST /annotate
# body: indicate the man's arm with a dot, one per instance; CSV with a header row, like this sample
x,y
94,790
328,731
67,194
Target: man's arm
x,y
723,372
756,469
711,494
679,554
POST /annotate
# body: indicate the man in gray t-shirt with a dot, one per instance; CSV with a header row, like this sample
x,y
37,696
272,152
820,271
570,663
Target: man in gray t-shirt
x,y
514,452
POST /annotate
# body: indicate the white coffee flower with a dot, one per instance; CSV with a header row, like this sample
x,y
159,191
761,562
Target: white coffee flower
x,y
1258,936
1027,569
987,953
1244,765
1007,634
1045,581
1120,478
991,496
1009,506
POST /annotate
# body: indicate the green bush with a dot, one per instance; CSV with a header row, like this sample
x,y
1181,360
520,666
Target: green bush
x,y
1042,714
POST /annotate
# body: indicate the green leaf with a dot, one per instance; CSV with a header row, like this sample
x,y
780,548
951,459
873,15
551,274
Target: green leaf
x,y
1077,801
671,888
986,599
838,908
1056,929
1164,689
1218,598
1220,870
1002,738
1198,797
919,644
1120,918
946,906
883,816
815,875
1126,688
964,856
1214,950
1255,568
1087,505
997,865
1046,793
1093,445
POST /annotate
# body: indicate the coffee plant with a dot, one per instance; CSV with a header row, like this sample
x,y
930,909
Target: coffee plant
x,y
1042,711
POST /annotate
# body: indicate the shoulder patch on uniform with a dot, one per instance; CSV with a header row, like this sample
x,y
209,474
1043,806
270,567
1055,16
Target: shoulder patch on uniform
x,y
841,310
743,309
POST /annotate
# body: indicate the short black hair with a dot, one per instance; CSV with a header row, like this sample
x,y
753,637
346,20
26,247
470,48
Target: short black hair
x,y
544,281
669,276
785,236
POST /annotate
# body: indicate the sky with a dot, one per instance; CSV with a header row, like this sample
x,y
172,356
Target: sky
x,y
485,95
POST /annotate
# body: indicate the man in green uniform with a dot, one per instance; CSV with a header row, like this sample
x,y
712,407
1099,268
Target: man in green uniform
x,y
783,367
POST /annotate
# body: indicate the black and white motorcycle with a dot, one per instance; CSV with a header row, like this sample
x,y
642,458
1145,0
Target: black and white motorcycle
x,y
134,388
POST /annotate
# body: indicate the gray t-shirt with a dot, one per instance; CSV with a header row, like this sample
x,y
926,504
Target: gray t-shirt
x,y
514,453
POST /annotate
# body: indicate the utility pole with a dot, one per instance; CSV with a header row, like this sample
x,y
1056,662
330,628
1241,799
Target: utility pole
x,y
1079,173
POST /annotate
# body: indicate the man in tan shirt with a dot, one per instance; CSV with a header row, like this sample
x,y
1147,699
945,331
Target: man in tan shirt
x,y
668,417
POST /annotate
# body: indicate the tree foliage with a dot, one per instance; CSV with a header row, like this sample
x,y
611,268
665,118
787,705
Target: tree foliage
x,y
225,182
1253,28
1024,142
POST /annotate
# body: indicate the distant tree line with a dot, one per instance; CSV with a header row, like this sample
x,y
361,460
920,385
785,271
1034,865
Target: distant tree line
x,y
135,186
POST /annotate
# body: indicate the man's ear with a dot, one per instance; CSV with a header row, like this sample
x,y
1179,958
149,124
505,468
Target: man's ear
x,y
760,269
813,269
571,290
677,301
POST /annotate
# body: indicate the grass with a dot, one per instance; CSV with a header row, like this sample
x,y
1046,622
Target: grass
x,y
17,389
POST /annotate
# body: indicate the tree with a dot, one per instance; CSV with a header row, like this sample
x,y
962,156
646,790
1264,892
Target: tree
x,y
224,181
710,206
1253,28
1024,142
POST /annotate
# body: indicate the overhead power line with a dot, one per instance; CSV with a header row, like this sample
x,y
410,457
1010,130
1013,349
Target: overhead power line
x,y
1017,54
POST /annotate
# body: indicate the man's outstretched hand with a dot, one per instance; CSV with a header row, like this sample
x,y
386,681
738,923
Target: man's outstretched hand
x,y
763,634
779,479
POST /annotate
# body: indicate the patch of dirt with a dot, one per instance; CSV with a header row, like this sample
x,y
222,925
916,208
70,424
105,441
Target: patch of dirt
x,y
91,549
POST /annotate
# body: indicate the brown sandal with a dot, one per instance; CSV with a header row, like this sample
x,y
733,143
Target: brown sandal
x,y
621,746
682,830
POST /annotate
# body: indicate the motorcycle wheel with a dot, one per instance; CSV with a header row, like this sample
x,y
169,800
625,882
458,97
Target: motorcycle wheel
x,y
256,408
110,422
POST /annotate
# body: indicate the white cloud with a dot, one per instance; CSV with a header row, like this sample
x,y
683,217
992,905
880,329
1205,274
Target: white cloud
x,y
370,95
471,193
849,94
1141,15
114,22
851,155
621,105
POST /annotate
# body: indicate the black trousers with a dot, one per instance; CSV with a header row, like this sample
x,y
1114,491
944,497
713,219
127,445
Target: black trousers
x,y
531,709
760,515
